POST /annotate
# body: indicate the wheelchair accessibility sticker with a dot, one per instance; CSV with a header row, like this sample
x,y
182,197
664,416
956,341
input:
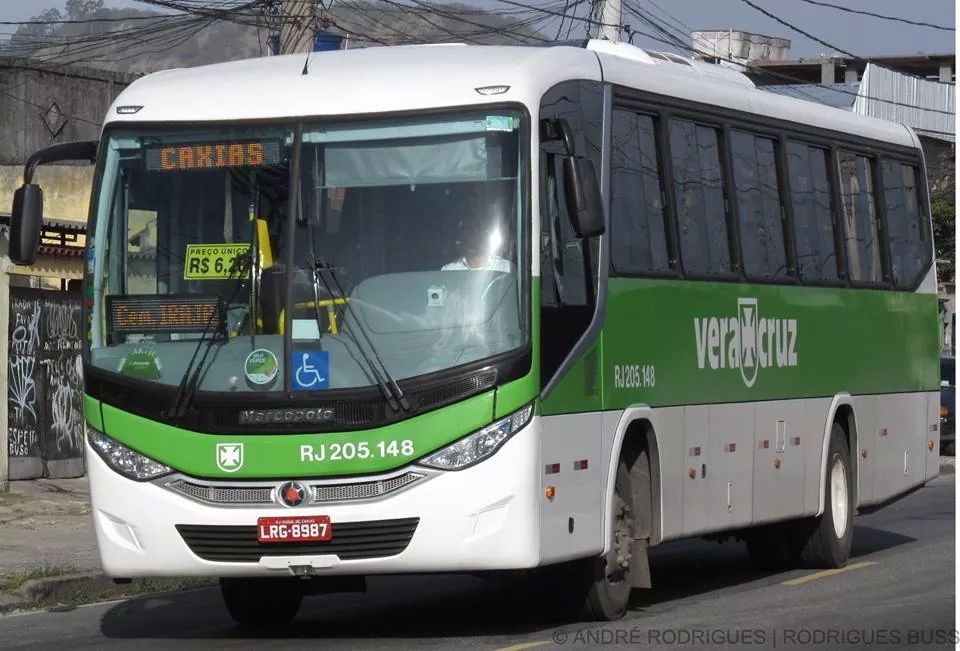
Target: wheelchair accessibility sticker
x,y
310,369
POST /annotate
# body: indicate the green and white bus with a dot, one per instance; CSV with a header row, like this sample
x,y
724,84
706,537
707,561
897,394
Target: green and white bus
x,y
463,309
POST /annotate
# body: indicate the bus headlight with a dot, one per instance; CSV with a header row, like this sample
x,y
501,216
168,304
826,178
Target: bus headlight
x,y
481,444
127,462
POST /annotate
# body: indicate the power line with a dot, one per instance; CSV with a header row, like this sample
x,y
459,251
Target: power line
x,y
820,40
44,108
881,16
787,77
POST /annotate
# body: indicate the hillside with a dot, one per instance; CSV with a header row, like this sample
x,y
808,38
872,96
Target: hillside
x,y
142,41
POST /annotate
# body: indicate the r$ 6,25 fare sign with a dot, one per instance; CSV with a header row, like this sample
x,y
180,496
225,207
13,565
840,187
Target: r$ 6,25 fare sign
x,y
213,261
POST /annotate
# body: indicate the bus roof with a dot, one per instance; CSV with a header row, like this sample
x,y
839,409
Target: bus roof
x,y
420,77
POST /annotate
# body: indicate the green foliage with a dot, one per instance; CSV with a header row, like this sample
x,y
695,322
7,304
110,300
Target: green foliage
x,y
80,9
43,24
943,207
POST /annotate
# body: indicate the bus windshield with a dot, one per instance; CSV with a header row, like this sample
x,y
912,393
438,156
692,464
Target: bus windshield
x,y
404,245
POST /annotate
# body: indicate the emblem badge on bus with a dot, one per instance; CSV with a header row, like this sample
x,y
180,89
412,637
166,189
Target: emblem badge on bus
x,y
747,314
229,456
745,342
291,493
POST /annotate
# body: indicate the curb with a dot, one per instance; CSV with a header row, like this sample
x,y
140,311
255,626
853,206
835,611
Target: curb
x,y
56,588
87,587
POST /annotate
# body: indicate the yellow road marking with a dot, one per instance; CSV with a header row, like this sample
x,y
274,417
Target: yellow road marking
x,y
825,573
525,645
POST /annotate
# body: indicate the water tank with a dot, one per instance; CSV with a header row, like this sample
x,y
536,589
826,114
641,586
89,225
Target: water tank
x,y
323,41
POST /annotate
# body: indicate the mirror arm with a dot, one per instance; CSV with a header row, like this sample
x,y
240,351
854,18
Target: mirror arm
x,y
79,150
559,129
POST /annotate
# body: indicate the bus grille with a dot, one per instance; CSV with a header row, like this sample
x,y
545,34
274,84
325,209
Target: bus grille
x,y
224,494
364,490
253,495
351,541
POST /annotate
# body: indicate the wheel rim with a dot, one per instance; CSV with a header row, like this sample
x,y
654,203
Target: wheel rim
x,y
838,497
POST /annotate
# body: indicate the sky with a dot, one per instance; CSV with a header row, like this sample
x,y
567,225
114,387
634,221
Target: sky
x,y
861,35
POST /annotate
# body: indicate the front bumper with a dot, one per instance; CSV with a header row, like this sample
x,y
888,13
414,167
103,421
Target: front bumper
x,y
485,517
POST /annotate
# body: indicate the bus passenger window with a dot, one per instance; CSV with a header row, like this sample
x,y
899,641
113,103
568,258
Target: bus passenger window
x,y
758,203
701,210
910,248
639,235
812,213
860,218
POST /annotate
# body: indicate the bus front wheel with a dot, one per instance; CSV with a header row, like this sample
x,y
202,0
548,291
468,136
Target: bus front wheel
x,y
610,584
258,603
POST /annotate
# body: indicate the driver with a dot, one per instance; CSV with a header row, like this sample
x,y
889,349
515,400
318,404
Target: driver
x,y
481,245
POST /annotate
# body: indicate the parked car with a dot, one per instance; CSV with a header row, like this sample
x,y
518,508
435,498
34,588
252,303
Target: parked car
x,y
947,405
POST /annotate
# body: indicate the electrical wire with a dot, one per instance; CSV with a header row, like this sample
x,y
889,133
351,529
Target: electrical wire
x,y
802,32
872,14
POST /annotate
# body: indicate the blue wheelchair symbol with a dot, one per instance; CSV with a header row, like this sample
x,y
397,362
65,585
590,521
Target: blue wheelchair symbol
x,y
310,369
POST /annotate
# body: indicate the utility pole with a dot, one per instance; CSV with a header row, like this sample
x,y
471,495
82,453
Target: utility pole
x,y
610,20
296,32
273,19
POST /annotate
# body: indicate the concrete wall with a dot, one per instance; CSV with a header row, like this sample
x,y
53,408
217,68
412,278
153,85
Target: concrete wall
x,y
66,189
44,104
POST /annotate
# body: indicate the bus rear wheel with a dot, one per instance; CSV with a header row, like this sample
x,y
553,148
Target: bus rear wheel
x,y
823,541
830,535
261,603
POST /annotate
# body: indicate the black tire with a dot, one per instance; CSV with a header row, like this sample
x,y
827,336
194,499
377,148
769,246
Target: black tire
x,y
610,584
825,545
262,603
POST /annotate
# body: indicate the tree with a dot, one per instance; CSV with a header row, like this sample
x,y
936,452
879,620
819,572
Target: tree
x,y
80,9
943,207
43,24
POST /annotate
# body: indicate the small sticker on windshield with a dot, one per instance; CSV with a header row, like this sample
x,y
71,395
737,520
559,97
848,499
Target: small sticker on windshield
x,y
142,363
499,123
261,367
310,369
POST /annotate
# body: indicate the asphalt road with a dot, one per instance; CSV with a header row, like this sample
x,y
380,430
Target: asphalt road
x,y
897,592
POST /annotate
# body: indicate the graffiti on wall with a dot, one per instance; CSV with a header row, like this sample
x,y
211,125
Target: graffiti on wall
x,y
22,376
45,389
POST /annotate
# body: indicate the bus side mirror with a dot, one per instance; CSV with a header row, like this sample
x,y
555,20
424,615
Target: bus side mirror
x,y
581,190
26,221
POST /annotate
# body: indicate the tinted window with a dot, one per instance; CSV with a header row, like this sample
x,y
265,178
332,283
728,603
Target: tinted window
x,y
639,238
758,206
812,215
860,218
564,274
909,243
698,183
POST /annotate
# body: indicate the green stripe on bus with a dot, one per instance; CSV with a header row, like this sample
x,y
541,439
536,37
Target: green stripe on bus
x,y
670,342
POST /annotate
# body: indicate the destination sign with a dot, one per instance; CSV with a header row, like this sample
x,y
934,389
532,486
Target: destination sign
x,y
212,156
150,314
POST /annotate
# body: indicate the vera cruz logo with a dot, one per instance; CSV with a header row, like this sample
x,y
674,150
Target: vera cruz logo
x,y
229,456
745,341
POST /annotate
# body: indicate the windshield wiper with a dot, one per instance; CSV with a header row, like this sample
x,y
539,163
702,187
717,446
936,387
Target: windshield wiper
x,y
391,391
191,376
388,385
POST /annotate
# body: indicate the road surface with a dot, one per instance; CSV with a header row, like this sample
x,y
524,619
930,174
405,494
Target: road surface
x,y
898,592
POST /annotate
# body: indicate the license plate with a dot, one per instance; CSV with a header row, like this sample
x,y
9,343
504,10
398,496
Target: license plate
x,y
313,528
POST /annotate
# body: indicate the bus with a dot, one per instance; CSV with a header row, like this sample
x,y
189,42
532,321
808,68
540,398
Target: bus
x,y
468,309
